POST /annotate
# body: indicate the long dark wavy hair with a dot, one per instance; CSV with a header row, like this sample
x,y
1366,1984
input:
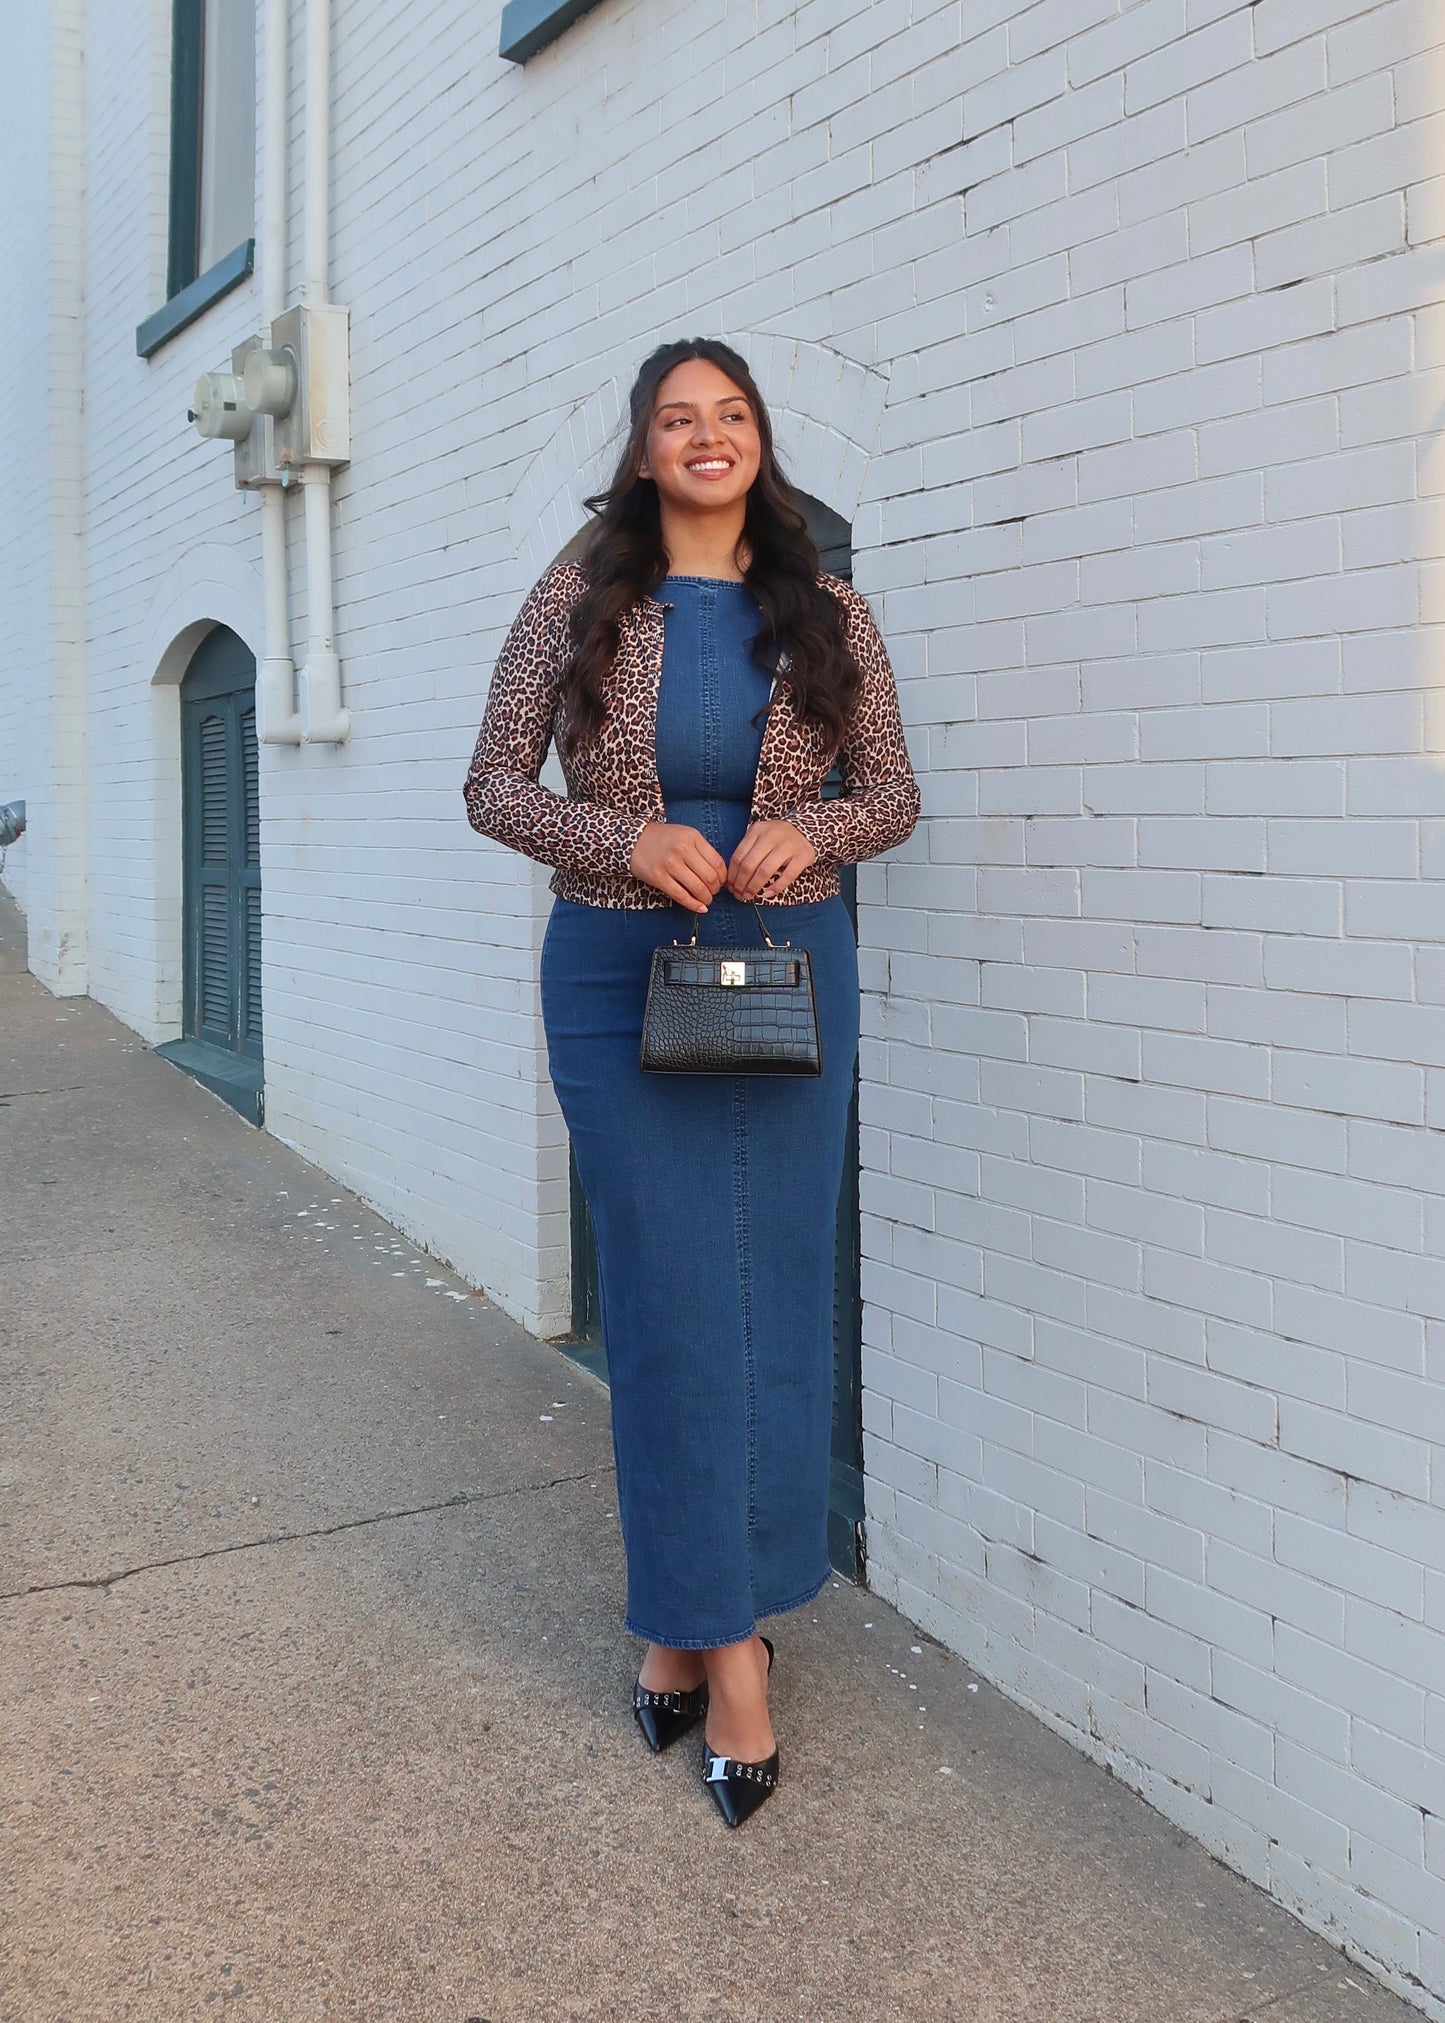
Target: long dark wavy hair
x,y
625,561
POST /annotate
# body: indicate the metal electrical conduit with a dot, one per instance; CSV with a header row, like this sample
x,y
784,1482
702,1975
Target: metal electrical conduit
x,y
320,718
323,720
278,722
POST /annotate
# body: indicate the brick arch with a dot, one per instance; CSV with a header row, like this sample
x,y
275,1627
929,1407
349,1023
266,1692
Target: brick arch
x,y
826,411
208,585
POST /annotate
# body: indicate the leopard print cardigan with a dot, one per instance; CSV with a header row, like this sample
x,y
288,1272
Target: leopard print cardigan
x,y
613,790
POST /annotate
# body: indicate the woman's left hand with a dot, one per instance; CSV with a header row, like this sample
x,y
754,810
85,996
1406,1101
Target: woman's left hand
x,y
767,860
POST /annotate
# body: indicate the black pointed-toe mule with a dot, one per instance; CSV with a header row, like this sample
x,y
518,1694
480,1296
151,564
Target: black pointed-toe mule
x,y
738,1789
662,1717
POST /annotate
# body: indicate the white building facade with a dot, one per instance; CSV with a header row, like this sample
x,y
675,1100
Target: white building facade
x,y
1115,333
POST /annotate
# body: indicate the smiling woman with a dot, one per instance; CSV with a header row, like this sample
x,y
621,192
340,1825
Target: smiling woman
x,y
700,438
700,676
699,489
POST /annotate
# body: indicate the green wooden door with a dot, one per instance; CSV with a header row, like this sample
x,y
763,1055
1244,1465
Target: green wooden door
x,y
845,1505
845,1499
846,1542
220,794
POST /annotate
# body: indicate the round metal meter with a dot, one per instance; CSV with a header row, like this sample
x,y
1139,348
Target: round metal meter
x,y
220,407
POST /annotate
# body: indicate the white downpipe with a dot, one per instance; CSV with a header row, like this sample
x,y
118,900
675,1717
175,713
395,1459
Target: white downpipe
x,y
278,721
323,720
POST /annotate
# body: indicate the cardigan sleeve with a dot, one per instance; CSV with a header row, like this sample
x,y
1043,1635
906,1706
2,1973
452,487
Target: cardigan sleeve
x,y
879,804
501,790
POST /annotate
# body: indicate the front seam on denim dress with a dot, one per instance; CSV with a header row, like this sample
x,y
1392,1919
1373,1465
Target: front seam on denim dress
x,y
711,708
745,1286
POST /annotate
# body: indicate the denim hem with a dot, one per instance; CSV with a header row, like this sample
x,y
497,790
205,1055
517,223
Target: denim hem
x,y
801,1600
798,1601
687,1643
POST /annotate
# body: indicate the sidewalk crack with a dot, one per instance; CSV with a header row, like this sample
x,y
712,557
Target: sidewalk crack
x,y
1258,2012
460,1500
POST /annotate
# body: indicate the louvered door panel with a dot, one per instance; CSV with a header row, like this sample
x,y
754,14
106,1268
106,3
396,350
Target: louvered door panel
x,y
249,882
211,820
222,825
213,783
251,975
250,789
214,964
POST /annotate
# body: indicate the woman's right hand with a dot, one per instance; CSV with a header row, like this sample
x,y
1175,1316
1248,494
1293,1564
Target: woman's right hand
x,y
681,862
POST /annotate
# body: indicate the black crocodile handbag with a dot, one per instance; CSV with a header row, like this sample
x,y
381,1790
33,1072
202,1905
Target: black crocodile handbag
x,y
731,1011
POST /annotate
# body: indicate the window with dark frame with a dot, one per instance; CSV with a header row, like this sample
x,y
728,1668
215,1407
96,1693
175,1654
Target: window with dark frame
x,y
211,242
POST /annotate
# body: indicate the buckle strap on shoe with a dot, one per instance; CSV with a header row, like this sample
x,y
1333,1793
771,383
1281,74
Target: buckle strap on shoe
x,y
721,1769
675,1702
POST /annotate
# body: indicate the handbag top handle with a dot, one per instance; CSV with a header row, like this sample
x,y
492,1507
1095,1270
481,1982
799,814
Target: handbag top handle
x,y
697,922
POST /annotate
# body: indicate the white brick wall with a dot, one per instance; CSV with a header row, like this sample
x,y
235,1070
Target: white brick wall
x,y
1152,1368
24,331
1115,329
43,720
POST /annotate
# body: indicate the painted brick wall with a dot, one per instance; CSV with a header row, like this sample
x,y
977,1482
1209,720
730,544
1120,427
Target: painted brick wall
x,y
1114,331
24,333
1154,1203
156,496
42,620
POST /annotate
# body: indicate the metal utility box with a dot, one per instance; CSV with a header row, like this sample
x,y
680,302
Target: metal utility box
x,y
317,430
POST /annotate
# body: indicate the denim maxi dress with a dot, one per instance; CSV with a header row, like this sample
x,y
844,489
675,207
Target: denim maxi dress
x,y
713,1197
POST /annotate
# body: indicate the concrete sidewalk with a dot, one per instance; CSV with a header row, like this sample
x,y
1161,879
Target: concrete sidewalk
x,y
314,1698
